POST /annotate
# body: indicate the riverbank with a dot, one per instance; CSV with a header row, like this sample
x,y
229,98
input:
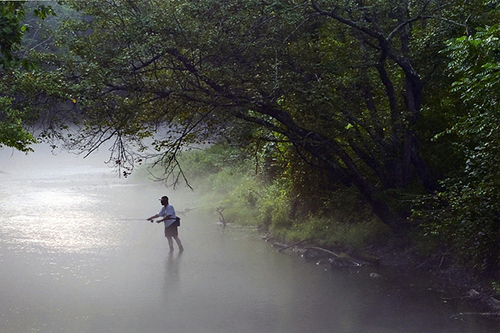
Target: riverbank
x,y
406,261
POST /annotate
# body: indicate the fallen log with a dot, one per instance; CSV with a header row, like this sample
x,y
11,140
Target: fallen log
x,y
343,257
292,245
476,296
481,314
321,249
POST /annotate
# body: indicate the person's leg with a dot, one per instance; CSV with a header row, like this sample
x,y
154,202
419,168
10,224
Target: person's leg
x,y
177,239
170,243
169,239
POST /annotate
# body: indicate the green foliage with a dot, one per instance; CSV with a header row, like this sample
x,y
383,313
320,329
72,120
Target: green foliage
x,y
327,231
13,132
465,216
207,161
12,31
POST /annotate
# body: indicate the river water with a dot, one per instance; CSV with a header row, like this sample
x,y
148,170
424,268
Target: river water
x,y
76,255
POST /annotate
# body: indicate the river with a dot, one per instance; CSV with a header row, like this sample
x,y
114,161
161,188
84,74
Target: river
x,y
77,255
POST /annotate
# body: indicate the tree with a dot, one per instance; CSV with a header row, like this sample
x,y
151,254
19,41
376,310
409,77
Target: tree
x,y
12,133
12,130
467,210
342,83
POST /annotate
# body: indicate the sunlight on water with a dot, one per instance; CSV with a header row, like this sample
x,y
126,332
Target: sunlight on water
x,y
54,216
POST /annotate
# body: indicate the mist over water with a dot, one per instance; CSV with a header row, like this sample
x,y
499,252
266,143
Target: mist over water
x,y
77,255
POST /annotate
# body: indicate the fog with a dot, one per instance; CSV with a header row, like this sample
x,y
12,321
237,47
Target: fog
x,y
77,255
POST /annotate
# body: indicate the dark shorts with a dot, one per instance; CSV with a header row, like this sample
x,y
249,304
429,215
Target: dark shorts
x,y
171,230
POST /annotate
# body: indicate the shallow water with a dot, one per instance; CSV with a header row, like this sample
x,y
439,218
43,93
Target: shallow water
x,y
76,255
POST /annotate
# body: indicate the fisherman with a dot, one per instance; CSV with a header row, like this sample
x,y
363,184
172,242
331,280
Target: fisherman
x,y
167,216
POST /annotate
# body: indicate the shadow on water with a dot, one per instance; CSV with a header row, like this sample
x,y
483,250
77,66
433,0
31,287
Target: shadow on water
x,y
77,255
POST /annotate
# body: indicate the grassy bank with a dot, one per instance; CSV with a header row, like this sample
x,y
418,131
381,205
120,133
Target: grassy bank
x,y
227,178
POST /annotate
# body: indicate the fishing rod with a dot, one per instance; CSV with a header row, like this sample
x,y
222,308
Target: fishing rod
x,y
138,220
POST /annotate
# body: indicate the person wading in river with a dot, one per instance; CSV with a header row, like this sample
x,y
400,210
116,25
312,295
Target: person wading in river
x,y
167,215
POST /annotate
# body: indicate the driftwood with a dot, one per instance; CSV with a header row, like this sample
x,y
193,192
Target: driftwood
x,y
266,238
340,259
322,249
495,315
337,260
471,295
475,296
292,245
280,245
221,217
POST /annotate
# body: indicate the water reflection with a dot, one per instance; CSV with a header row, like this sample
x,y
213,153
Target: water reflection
x,y
172,282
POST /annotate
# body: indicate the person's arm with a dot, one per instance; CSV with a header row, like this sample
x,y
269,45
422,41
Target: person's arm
x,y
153,217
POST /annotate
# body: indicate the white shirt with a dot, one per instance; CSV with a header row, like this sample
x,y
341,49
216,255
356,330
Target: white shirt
x,y
168,210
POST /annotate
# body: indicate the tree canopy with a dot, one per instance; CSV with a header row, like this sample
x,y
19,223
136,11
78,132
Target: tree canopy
x,y
12,129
